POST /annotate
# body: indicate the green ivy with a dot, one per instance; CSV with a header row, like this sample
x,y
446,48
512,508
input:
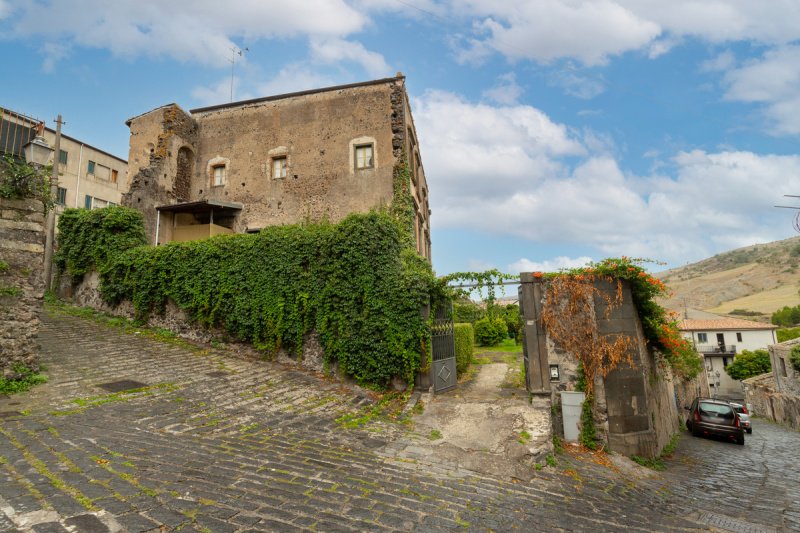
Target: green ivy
x,y
88,239
356,283
588,434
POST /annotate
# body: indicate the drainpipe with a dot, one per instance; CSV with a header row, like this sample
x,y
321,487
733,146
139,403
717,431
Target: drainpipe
x,y
158,224
78,185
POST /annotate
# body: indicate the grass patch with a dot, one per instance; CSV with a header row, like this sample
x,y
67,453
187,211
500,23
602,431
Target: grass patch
x,y
524,437
657,463
435,434
551,460
508,345
24,380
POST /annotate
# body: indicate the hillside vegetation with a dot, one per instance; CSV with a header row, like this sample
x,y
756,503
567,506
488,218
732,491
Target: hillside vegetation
x,y
750,282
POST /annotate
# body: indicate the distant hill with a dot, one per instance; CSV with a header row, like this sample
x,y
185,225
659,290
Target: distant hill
x,y
750,282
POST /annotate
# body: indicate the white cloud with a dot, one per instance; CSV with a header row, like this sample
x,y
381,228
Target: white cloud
x,y
578,85
593,31
182,29
295,77
552,265
774,81
550,29
546,184
722,62
333,50
53,53
506,91
487,150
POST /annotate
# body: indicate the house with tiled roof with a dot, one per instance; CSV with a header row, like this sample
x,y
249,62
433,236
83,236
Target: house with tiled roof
x,y
718,340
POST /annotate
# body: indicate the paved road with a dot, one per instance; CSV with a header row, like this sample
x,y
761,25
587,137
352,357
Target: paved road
x,y
757,483
211,442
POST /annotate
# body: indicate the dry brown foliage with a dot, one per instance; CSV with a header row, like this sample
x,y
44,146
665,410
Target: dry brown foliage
x,y
568,315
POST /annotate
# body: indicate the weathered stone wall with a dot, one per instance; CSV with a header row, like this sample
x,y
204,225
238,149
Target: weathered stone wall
x,y
687,390
159,140
21,285
787,379
765,401
316,133
634,407
173,156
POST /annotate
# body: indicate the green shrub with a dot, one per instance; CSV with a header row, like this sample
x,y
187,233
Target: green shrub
x,y
89,239
23,379
748,364
356,284
588,434
464,340
787,334
788,316
467,311
794,357
489,332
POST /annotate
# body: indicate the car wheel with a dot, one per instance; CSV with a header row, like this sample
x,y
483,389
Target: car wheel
x,y
740,440
749,431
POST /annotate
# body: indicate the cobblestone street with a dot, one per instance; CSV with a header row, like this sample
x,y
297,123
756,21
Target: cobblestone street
x,y
211,442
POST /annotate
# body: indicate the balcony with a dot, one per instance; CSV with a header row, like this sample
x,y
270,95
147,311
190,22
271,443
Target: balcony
x,y
721,349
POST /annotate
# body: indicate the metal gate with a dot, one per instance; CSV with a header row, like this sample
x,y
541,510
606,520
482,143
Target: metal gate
x,y
444,349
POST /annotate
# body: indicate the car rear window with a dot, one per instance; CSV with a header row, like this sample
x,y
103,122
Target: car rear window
x,y
716,409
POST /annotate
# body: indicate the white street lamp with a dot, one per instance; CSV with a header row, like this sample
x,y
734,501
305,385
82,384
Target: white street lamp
x,y
38,152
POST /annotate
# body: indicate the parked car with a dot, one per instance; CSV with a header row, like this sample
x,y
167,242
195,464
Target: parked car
x,y
744,416
714,417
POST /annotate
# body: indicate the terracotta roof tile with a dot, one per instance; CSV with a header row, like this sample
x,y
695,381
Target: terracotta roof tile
x,y
721,324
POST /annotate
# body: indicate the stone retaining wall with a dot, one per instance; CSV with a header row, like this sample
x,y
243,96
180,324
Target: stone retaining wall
x,y
21,282
765,401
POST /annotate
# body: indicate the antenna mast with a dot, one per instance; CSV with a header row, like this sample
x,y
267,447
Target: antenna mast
x,y
234,52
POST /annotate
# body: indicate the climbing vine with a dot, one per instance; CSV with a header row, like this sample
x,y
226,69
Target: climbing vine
x,y
463,284
569,317
88,239
356,284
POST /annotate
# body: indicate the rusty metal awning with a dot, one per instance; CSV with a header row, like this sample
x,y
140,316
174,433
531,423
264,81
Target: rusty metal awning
x,y
203,206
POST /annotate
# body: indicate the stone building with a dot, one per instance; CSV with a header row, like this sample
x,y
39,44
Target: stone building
x,y
87,176
313,155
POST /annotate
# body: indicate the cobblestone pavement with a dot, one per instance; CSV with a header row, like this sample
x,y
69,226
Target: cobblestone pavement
x,y
755,487
217,443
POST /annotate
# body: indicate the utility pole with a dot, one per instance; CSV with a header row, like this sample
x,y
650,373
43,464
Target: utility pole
x,y
235,51
50,225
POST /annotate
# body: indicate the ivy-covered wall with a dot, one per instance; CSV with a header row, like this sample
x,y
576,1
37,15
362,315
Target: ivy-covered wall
x,y
357,285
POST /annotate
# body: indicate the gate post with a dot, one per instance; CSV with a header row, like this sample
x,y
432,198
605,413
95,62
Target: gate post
x,y
537,377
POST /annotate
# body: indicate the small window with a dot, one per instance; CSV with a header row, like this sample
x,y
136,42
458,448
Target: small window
x,y
726,361
62,157
738,337
90,168
114,175
61,198
218,175
783,366
279,167
87,202
364,156
702,338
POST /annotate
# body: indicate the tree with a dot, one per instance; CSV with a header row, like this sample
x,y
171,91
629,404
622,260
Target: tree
x,y
19,179
749,364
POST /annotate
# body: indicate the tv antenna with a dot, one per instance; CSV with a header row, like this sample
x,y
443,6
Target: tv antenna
x,y
234,52
797,216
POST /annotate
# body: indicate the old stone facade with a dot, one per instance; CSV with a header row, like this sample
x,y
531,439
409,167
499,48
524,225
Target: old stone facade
x,y
239,167
21,285
634,409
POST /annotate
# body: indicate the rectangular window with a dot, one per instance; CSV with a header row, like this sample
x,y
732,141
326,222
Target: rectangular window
x,y
90,168
783,366
364,156
62,157
725,362
87,202
738,337
702,338
114,175
61,198
279,167
218,175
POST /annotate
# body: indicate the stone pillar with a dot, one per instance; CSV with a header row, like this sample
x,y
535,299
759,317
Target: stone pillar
x,y
21,282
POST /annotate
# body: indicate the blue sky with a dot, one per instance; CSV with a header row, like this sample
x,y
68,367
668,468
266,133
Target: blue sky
x,y
552,131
